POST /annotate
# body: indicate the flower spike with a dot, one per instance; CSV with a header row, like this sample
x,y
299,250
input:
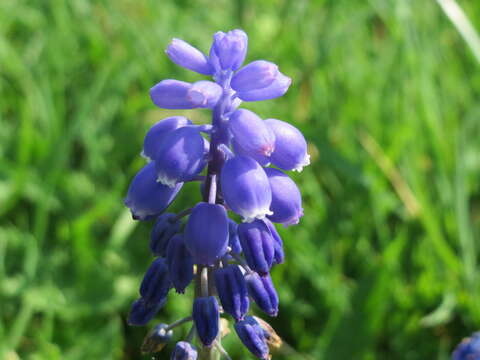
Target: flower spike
x,y
229,263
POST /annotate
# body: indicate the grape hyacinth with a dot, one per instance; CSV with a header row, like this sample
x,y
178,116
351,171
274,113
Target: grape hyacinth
x,y
241,162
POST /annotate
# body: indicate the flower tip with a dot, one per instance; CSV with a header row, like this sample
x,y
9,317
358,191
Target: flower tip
x,y
305,162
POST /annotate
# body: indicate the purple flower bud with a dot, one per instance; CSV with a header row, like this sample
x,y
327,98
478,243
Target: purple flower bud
x,y
156,283
245,188
232,291
233,240
278,255
189,57
184,351
162,232
230,48
158,132
142,312
256,75
286,198
206,318
171,94
257,245
251,134
262,291
180,157
277,88
156,339
180,263
252,336
468,349
146,197
290,146
204,94
206,233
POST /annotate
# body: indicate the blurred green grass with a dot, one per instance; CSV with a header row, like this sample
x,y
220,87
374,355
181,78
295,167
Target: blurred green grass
x,y
384,265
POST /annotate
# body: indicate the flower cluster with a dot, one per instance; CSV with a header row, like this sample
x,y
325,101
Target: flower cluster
x,y
242,159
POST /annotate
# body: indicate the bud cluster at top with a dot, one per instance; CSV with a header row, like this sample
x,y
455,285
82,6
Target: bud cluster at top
x,y
240,160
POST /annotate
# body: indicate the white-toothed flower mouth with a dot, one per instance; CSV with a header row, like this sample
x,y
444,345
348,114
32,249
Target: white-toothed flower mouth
x,y
260,215
165,180
145,156
306,162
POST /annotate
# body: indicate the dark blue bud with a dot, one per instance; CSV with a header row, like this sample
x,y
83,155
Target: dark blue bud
x,y
142,312
286,198
278,255
180,157
263,292
290,146
146,197
189,57
256,75
204,94
251,134
232,291
245,188
156,339
233,240
184,351
180,263
156,282
257,245
206,233
206,318
162,232
277,88
252,336
468,349
158,132
229,49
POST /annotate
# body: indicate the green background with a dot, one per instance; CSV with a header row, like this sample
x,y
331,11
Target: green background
x,y
384,264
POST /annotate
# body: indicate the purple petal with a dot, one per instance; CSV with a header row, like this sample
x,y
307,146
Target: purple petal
x,y
206,233
232,291
230,48
204,94
263,292
206,317
180,263
189,57
256,75
277,88
180,157
286,198
158,132
252,336
257,245
245,188
146,197
251,134
290,146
